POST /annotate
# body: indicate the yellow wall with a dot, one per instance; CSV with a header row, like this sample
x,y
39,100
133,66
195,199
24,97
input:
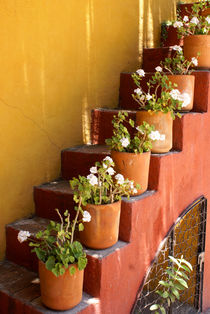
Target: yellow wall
x,y
59,59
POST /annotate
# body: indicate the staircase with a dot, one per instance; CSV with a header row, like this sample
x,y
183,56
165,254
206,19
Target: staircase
x,y
114,275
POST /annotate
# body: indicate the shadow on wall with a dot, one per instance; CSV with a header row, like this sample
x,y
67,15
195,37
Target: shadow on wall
x,y
111,50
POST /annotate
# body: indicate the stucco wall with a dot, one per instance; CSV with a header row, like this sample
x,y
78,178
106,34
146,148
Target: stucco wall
x,y
59,59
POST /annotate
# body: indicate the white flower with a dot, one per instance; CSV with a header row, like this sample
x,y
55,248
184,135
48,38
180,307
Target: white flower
x,y
104,165
158,69
208,19
140,72
156,136
110,171
194,61
131,184
23,236
86,216
148,97
177,24
185,98
135,191
204,30
120,179
138,91
194,20
142,98
175,93
186,18
177,48
92,179
139,130
93,170
124,141
107,158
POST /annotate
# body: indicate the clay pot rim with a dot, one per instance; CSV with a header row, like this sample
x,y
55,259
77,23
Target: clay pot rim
x,y
155,112
185,75
199,36
102,205
135,154
66,269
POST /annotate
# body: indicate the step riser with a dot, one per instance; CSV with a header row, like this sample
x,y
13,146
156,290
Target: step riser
x,y
47,201
201,95
171,38
76,163
153,56
20,254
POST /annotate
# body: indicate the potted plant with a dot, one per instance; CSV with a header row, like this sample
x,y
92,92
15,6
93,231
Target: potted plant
x,y
100,195
61,262
180,70
158,107
195,28
131,153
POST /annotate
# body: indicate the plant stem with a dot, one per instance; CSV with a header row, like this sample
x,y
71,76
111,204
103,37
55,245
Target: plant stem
x,y
75,220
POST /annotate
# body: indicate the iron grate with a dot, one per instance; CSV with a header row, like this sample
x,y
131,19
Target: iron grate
x,y
186,237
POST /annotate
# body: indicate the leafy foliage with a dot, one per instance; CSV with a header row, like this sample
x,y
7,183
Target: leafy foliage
x,y
101,186
55,246
178,64
158,97
138,144
194,23
176,282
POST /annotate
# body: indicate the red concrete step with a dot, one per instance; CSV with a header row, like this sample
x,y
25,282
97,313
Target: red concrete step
x,y
19,295
20,253
78,160
202,91
52,195
153,56
47,197
169,36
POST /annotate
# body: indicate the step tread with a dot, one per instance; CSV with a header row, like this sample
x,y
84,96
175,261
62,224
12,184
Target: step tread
x,y
16,282
89,149
57,186
35,224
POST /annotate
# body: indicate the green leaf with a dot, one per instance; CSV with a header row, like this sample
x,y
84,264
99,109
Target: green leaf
x,y
50,263
165,294
163,311
187,263
72,270
82,262
81,227
72,259
175,292
164,283
182,282
154,307
40,254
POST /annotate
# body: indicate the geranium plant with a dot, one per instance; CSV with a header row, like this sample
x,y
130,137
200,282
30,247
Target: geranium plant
x,y
169,289
102,185
179,64
161,95
122,140
55,246
193,23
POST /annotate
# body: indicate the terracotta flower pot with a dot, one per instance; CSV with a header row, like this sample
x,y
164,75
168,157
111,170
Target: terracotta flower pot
x,y
198,43
163,123
185,84
63,292
103,229
134,167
